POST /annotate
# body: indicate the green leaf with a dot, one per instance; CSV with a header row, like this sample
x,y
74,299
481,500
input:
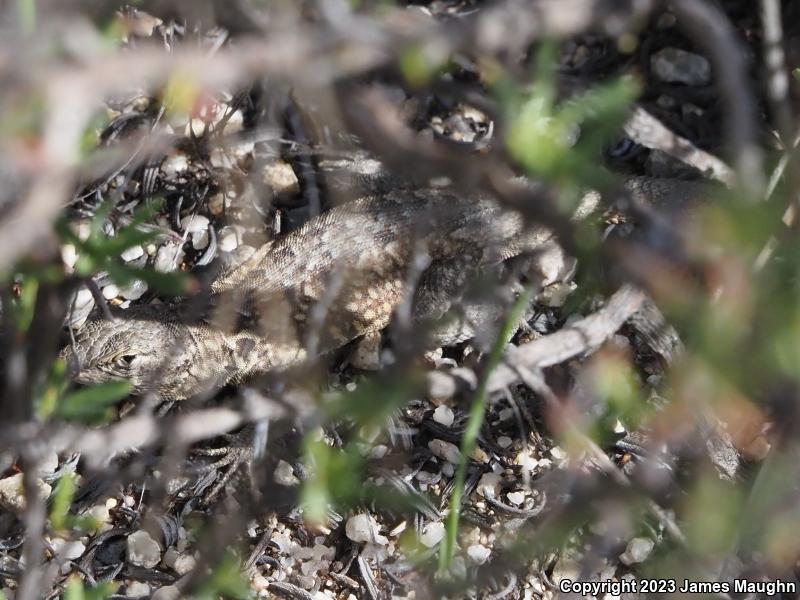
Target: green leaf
x,y
335,477
564,143
89,137
417,66
62,500
47,400
90,404
226,580
27,302
76,590
713,512
373,401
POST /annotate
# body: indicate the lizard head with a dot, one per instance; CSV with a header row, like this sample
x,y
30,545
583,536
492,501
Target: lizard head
x,y
140,346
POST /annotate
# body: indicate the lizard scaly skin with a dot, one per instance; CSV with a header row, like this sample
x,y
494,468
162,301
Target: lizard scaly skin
x,y
354,260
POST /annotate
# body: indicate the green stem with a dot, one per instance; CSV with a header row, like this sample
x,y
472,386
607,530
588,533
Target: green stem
x,y
473,427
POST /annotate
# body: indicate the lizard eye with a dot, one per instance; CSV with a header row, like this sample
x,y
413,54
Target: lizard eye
x,y
124,360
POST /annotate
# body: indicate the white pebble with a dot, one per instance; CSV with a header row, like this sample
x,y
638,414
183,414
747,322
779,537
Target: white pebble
x,y
73,550
478,553
527,461
12,495
445,451
67,550
143,550
243,150
110,291
228,239
196,127
284,474
235,120
83,298
220,159
137,589
359,528
168,592
132,253
168,258
637,551
516,498
48,463
259,583
101,514
489,485
444,415
134,290
69,255
180,563
200,239
175,163
504,441
379,451
82,229
195,223
432,534
280,177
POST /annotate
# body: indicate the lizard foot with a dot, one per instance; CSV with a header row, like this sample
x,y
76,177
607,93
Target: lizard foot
x,y
239,452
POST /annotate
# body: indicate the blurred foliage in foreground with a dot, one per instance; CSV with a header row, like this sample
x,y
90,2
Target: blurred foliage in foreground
x,y
738,315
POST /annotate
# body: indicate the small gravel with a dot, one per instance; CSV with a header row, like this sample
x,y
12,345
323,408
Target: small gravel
x,y
68,550
516,498
174,164
132,253
168,592
143,550
637,551
137,589
478,553
69,255
200,239
178,562
444,415
134,290
673,65
360,528
445,451
12,496
432,534
284,474
195,223
228,239
168,258
110,291
82,304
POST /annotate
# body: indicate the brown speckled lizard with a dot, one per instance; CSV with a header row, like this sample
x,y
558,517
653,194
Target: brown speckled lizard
x,y
355,262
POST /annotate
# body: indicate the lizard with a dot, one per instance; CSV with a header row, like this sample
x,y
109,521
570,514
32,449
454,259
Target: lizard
x,y
355,261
